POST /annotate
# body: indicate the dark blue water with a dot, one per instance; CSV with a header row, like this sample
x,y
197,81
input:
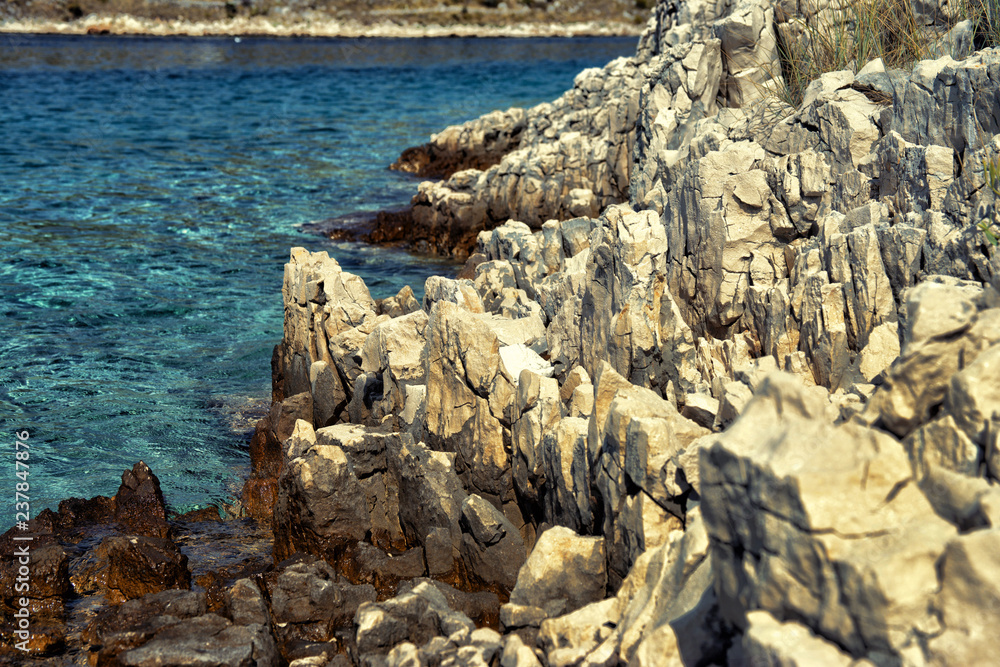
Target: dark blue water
x,y
149,192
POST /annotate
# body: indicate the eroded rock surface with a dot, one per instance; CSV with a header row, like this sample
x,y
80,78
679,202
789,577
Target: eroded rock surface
x,y
715,387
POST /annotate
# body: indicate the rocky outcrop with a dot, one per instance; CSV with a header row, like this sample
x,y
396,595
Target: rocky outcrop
x,y
477,144
715,387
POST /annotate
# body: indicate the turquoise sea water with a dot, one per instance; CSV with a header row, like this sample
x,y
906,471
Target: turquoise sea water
x,y
150,189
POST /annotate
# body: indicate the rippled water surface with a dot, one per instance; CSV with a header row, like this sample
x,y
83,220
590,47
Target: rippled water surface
x,y
150,189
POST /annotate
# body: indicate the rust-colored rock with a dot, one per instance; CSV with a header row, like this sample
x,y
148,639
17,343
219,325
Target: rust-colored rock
x,y
139,505
261,490
258,497
131,567
45,589
477,144
265,450
77,512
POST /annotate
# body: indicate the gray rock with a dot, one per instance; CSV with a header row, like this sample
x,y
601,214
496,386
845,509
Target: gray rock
x,y
939,87
492,547
701,409
484,522
310,597
968,503
872,559
516,616
968,601
536,411
943,329
573,379
285,414
394,350
329,399
321,506
467,399
482,607
567,474
635,438
433,509
120,628
208,639
941,443
563,573
581,403
518,358
567,639
245,605
460,292
415,617
402,304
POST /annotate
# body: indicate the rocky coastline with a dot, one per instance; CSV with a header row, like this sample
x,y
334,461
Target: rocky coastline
x,y
718,385
98,24
326,18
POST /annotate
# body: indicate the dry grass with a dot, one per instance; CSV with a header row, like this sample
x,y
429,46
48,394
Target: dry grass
x,y
862,30
847,38
985,15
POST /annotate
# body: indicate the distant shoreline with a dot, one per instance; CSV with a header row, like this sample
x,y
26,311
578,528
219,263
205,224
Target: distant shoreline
x,y
264,27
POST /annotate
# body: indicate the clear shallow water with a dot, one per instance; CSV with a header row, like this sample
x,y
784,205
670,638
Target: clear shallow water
x,y
150,189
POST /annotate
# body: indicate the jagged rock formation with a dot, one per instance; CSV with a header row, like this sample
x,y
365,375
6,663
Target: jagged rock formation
x,y
739,406
736,373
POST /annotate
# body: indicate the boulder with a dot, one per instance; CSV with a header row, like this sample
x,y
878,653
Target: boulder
x,y
567,475
402,304
208,639
125,568
768,641
567,639
563,573
581,403
638,439
415,616
943,332
482,607
49,584
321,507
492,547
968,602
432,514
668,611
373,457
115,629
574,378
860,574
477,144
459,292
308,603
245,604
517,654
974,396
